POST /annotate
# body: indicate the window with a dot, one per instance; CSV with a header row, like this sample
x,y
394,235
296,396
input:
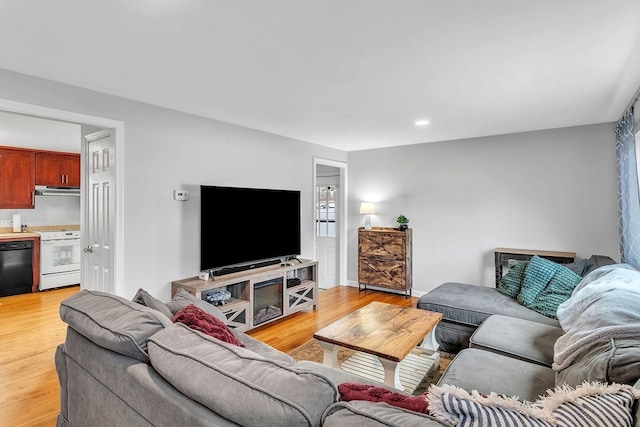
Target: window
x,y
638,154
326,211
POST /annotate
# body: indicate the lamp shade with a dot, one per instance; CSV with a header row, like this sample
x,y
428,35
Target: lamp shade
x,y
367,208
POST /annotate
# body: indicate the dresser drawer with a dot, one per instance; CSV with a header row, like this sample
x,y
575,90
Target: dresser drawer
x,y
383,245
384,273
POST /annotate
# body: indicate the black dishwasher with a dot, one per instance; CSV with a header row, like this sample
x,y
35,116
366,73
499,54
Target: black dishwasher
x,y
16,267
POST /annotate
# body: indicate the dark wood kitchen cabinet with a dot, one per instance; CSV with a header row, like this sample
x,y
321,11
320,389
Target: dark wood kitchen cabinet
x,y
17,177
58,169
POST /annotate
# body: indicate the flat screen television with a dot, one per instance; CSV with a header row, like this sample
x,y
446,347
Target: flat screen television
x,y
241,228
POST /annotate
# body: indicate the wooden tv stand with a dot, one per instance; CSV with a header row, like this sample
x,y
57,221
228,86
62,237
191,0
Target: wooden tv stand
x,y
298,283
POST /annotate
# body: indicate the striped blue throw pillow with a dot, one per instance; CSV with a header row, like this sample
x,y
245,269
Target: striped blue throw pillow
x,y
591,404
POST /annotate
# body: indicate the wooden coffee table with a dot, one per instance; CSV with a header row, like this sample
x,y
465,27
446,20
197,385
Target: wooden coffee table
x,y
387,331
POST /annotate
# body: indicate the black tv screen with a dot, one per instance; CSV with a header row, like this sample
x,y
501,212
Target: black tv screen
x,y
241,226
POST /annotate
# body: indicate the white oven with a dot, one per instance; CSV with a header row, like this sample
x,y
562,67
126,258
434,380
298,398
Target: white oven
x,y
59,258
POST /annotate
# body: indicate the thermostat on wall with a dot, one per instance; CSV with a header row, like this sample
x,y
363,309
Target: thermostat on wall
x,y
180,195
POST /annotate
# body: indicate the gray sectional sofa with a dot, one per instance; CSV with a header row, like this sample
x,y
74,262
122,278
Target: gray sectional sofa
x,y
125,363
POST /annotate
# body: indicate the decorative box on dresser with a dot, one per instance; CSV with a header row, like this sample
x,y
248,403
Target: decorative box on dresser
x,y
384,259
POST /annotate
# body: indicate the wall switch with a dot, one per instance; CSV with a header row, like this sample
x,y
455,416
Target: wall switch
x,y
180,195
6,223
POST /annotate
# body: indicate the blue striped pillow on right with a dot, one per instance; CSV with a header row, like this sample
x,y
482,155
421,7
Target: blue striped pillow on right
x,y
589,405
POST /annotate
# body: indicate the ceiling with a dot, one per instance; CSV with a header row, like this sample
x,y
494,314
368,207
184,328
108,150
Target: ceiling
x,y
350,74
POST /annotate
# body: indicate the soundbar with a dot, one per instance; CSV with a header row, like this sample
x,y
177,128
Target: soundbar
x,y
237,268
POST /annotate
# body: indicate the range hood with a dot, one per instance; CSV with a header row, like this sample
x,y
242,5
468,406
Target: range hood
x,y
42,190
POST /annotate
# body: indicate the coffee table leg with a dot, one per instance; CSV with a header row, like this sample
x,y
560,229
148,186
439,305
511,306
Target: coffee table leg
x,y
391,373
330,354
429,345
429,342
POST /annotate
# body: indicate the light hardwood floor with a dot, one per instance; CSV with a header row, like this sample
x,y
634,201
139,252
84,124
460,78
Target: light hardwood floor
x,y
30,331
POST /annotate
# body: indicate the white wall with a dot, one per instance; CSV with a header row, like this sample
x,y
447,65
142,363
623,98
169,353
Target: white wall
x,y
167,150
552,189
48,211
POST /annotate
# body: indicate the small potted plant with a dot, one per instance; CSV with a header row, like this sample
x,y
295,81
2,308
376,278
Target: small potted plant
x,y
402,222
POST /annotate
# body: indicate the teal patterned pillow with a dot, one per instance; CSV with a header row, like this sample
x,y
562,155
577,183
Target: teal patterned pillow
x,y
557,291
538,273
510,284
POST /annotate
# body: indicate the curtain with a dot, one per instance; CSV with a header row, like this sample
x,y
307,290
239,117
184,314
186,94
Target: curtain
x,y
628,192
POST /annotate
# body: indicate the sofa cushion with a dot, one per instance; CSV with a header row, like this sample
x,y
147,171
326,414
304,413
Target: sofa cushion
x,y
591,404
617,360
519,338
113,322
145,298
183,298
474,369
198,319
471,305
228,380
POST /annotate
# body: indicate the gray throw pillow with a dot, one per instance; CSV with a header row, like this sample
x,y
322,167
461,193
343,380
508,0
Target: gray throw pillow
x,y
597,261
183,298
113,322
578,266
145,298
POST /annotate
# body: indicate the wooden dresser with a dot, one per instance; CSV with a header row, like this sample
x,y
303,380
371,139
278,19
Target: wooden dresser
x,y
384,259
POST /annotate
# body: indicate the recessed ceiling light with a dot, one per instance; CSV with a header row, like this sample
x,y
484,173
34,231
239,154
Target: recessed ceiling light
x,y
422,122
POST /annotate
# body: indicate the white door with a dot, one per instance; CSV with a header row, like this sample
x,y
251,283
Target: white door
x,y
326,208
99,235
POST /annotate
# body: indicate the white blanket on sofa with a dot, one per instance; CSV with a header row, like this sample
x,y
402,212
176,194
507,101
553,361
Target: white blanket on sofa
x,y
604,305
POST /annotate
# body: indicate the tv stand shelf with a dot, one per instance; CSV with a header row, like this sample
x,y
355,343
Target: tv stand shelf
x,y
279,290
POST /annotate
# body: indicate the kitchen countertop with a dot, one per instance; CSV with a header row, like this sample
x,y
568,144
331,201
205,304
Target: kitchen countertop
x,y
18,236
6,233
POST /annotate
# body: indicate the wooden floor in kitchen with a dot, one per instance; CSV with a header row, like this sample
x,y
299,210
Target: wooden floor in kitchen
x,y
30,331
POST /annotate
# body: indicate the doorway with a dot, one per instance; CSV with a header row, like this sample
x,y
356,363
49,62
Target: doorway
x,y
116,262
330,222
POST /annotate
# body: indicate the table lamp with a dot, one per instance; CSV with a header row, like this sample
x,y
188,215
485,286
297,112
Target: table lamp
x,y
368,209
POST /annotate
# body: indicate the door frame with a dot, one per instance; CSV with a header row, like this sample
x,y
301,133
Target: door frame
x,y
341,216
118,127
